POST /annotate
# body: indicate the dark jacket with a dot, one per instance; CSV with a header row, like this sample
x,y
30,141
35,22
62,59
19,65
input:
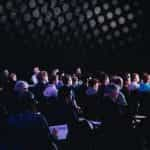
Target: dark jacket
x,y
28,130
109,112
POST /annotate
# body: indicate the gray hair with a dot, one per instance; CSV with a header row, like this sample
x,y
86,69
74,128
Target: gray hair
x,y
20,85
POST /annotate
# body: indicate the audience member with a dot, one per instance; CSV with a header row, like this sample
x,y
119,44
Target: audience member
x,y
135,79
12,81
119,82
41,85
103,82
145,85
91,102
51,90
29,127
34,77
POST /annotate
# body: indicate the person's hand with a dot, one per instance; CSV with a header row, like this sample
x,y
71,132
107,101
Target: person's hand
x,y
79,109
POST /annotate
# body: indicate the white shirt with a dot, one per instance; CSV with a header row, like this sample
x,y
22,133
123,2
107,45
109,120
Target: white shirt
x,y
34,79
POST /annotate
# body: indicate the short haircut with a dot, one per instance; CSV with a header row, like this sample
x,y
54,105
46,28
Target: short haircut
x,y
133,76
92,82
42,74
145,77
102,77
52,78
66,78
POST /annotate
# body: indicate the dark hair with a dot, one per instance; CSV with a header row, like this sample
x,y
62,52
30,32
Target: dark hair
x,y
92,82
102,77
125,76
65,79
133,76
25,101
41,74
52,79
145,77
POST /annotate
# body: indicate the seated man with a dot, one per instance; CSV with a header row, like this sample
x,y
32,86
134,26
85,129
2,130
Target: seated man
x,y
115,123
34,77
91,103
145,85
27,129
117,80
109,107
51,90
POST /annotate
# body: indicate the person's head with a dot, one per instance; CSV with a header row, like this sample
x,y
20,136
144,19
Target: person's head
x,y
146,78
36,70
78,71
55,71
26,102
21,86
53,79
43,76
135,77
75,79
65,95
13,77
94,83
67,80
6,72
118,81
103,78
112,91
126,79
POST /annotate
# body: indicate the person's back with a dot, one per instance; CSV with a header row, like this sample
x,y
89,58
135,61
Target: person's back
x,y
41,85
38,90
117,132
80,95
66,109
109,111
28,130
115,125
92,100
92,107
